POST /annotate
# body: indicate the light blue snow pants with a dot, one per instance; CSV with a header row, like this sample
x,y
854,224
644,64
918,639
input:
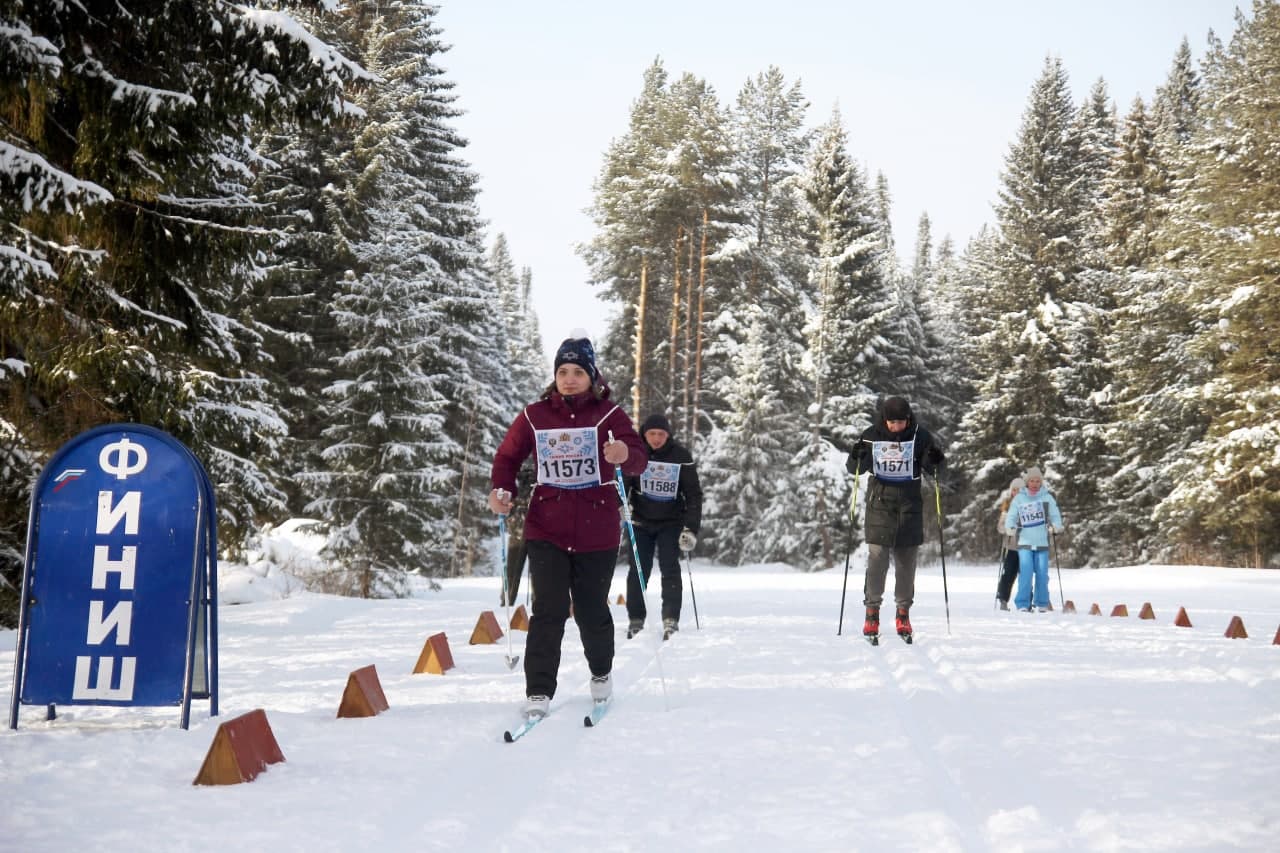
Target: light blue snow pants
x,y
1032,562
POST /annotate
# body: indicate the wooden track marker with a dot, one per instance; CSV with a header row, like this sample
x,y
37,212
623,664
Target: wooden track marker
x,y
363,696
1235,630
241,749
486,631
436,657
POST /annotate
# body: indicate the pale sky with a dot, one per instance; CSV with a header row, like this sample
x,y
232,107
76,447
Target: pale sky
x,y
932,94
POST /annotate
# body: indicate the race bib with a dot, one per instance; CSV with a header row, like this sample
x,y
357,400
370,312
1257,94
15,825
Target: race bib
x,y
660,481
567,458
891,460
1031,515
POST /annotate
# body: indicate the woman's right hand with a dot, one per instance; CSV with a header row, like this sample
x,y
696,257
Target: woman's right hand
x,y
500,501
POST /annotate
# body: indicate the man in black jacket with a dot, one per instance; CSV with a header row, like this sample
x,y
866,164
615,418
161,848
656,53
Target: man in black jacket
x,y
894,450
666,514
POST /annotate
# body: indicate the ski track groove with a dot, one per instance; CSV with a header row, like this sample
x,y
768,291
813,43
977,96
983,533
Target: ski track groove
x,y
555,747
895,666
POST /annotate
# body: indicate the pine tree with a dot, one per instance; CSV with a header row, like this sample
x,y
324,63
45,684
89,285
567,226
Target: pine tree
x,y
744,492
1029,394
134,248
425,390
1228,491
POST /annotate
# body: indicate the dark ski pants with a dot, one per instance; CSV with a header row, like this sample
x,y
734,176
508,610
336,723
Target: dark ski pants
x,y
1008,574
904,575
666,541
556,574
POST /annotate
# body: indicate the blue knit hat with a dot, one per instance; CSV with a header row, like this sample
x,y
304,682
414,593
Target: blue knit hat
x,y
577,349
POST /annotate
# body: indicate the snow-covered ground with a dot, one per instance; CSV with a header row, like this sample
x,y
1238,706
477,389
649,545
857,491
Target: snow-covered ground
x,y
1005,731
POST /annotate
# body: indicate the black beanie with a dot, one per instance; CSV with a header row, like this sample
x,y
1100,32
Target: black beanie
x,y
897,409
578,350
656,421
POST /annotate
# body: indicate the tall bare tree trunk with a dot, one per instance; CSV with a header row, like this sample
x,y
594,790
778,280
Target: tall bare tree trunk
x,y
675,313
697,362
639,353
458,547
688,330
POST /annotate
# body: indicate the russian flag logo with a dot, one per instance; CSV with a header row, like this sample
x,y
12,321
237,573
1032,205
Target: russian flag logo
x,y
67,476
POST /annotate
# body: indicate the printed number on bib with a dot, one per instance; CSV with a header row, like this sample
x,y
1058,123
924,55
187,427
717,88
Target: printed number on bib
x,y
660,481
1031,515
891,460
567,458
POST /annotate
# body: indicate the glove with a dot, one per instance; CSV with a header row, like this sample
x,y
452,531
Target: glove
x,y
687,540
1057,529
1009,531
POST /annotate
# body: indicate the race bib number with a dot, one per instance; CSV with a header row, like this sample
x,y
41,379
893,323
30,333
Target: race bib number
x,y
567,458
891,460
660,481
1031,515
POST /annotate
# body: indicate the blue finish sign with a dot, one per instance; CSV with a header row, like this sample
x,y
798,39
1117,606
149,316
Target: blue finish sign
x,y
119,589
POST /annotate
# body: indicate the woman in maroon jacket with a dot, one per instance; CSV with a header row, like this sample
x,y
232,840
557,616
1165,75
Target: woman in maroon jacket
x,y
573,525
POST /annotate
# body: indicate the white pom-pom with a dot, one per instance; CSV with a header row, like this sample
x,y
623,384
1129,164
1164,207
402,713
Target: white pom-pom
x,y
578,334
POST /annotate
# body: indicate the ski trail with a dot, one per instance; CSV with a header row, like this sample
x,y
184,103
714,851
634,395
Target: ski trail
x,y
541,773
904,678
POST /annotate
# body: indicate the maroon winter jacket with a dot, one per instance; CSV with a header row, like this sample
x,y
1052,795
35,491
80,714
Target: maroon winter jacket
x,y
585,519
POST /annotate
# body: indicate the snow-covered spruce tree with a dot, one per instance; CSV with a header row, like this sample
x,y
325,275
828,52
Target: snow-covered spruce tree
x,y
305,206
844,249
1227,492
764,266
1085,377
1026,390
938,393
1154,417
746,458
527,363
424,391
134,245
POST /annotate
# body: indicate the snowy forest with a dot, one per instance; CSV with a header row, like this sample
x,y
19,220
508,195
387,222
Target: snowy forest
x,y
255,227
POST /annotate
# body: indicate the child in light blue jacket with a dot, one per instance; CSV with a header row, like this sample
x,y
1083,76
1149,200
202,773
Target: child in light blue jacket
x,y
1031,515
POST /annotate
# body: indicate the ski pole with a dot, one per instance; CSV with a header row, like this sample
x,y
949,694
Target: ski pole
x,y
635,553
942,550
506,597
999,575
688,564
1053,537
848,544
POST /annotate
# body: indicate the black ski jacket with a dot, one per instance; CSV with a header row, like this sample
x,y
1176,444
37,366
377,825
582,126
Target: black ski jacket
x,y
895,509
685,510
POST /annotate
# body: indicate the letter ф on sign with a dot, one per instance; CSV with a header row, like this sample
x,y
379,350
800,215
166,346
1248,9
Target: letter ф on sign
x,y
119,593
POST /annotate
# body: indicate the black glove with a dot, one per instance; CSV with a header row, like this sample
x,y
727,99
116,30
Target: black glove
x,y
934,461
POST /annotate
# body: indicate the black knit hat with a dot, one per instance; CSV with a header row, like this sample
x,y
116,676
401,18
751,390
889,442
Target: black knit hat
x,y
897,409
656,421
577,349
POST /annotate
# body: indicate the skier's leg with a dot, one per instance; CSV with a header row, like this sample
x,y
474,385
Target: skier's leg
x,y
1026,568
591,575
668,542
1042,578
904,576
877,571
549,570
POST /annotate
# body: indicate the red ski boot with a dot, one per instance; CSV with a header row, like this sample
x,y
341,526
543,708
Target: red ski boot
x,y
871,627
903,623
